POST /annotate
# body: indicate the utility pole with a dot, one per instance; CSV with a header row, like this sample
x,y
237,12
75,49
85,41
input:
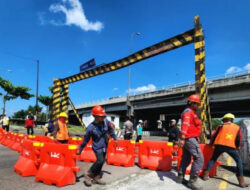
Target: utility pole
x,y
129,106
37,86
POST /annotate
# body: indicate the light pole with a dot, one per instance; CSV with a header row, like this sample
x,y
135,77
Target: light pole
x,y
37,85
129,72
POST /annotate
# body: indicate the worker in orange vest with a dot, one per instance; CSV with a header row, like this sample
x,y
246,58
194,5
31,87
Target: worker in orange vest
x,y
60,132
227,138
189,141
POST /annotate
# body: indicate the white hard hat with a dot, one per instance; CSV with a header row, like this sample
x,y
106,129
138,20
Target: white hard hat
x,y
140,121
173,120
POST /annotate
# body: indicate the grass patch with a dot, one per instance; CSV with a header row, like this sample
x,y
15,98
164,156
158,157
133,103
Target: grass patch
x,y
76,129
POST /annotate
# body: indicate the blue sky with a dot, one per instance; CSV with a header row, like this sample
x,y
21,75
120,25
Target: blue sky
x,y
63,34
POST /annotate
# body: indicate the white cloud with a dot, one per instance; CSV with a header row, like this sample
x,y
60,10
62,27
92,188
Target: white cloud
x,y
142,89
235,69
247,67
74,15
115,89
41,18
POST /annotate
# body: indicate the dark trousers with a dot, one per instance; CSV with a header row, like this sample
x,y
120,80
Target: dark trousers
x,y
232,152
6,127
63,141
128,136
96,168
138,138
191,149
30,128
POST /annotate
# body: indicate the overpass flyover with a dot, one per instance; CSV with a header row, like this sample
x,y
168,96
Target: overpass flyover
x,y
231,94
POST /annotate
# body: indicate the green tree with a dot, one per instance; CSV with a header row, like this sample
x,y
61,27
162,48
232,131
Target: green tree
x,y
47,101
13,92
23,113
215,123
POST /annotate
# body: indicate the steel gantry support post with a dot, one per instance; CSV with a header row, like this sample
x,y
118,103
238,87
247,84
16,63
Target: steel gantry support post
x,y
200,78
65,98
56,108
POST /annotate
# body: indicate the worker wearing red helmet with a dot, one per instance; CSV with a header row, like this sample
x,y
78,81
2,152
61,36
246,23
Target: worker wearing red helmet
x,y
99,130
190,132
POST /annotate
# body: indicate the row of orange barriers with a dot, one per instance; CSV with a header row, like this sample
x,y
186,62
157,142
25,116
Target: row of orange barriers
x,y
43,157
49,162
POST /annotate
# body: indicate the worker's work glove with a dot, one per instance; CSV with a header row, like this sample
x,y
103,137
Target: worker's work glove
x,y
181,143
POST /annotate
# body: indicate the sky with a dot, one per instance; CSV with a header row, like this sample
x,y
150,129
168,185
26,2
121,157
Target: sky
x,y
63,34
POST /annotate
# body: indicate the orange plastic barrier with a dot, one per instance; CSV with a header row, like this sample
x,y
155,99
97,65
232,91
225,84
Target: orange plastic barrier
x,y
17,146
155,155
7,139
75,140
87,154
175,152
207,152
121,155
2,134
12,139
43,139
57,164
28,162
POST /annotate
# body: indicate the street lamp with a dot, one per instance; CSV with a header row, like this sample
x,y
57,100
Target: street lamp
x,y
37,85
129,72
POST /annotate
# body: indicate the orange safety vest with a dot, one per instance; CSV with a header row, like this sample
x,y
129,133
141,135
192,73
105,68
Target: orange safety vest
x,y
227,135
62,133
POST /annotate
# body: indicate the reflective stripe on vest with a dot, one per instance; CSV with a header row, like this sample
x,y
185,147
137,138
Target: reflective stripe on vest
x,y
62,133
227,135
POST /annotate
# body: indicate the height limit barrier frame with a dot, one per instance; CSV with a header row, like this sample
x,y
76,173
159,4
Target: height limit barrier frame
x,y
61,86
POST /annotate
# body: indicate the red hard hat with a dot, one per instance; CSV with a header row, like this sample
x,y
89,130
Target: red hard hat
x,y
98,111
194,98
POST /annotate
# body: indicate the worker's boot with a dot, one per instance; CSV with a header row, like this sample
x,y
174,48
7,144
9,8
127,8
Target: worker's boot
x,y
97,180
180,178
242,182
193,183
205,175
88,177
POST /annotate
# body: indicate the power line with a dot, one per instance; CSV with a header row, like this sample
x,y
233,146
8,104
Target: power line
x,y
18,56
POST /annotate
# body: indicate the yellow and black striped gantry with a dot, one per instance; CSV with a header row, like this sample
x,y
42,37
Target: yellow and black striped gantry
x,y
60,88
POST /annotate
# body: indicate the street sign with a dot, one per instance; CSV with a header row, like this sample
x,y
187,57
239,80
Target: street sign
x,y
87,65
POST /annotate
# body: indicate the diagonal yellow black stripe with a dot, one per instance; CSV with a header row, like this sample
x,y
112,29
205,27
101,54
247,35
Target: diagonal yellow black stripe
x,y
75,111
164,46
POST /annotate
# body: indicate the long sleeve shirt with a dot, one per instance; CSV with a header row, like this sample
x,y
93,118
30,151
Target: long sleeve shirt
x,y
98,135
173,134
190,124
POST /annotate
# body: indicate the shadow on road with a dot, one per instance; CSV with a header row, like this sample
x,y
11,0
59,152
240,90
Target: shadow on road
x,y
170,175
102,173
233,169
222,179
